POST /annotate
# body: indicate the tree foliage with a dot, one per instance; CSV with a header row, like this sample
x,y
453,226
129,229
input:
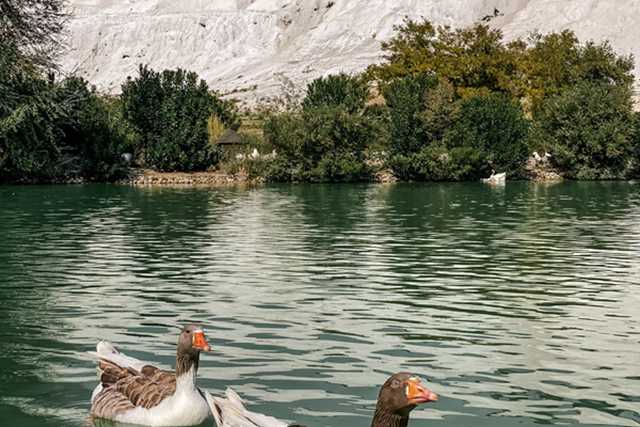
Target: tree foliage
x,y
33,28
52,130
405,99
473,58
328,139
170,110
558,60
336,90
589,129
495,126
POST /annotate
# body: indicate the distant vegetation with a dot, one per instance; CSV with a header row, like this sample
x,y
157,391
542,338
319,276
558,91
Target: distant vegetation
x,y
445,104
171,112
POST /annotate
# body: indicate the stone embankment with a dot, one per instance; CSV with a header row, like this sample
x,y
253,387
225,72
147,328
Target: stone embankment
x,y
539,169
147,177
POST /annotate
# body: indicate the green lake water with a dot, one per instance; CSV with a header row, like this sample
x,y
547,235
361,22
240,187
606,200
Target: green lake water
x,y
519,305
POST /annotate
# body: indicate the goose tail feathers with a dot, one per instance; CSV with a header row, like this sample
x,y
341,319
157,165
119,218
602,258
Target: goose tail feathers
x,y
230,412
105,351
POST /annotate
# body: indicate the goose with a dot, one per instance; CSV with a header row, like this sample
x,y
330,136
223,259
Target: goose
x,y
496,179
133,392
399,395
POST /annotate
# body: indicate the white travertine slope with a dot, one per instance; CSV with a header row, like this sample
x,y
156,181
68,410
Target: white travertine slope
x,y
256,45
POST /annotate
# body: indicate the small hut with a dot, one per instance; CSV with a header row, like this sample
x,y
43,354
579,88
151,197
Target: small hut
x,y
231,143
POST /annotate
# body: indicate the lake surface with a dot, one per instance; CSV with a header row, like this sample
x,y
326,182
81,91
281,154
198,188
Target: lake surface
x,y
519,305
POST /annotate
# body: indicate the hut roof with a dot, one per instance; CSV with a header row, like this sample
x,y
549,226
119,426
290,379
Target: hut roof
x,y
229,137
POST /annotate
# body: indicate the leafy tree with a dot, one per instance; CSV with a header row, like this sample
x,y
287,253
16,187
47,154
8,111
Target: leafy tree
x,y
473,58
320,145
170,111
94,136
339,90
589,129
32,27
495,126
405,99
51,130
558,60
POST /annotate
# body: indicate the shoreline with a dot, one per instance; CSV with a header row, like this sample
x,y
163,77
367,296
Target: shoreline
x,y
151,178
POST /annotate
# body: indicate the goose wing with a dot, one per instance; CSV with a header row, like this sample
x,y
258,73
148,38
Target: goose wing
x,y
230,412
127,383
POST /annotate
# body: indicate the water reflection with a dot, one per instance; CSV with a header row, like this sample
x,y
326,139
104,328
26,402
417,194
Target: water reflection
x,y
517,304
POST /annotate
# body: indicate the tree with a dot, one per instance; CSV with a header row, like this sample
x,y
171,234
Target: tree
x,y
495,126
405,98
327,140
558,60
320,145
170,110
94,136
339,90
472,59
589,129
51,131
33,28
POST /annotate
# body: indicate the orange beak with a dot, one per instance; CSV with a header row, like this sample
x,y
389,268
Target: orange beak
x,y
417,393
199,341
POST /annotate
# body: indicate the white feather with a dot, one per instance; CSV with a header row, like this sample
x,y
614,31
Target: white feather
x,y
230,412
106,351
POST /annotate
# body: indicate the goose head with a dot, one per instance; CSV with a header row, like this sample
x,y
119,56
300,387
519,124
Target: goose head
x,y
402,392
192,341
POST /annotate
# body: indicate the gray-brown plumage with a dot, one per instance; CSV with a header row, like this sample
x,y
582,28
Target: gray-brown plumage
x,y
131,391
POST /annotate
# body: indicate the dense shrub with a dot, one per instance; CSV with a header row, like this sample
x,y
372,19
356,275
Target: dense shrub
x,y
339,90
94,136
319,145
589,130
327,140
494,126
169,110
51,131
405,99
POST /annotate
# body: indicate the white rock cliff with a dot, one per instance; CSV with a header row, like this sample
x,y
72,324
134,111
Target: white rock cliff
x,y
251,48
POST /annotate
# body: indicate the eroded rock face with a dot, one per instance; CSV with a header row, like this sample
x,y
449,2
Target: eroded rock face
x,y
256,48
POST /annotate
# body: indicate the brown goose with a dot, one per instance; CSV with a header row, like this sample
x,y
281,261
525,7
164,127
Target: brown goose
x,y
134,392
399,395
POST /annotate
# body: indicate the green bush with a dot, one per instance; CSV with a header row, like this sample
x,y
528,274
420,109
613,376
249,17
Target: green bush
x,y
51,131
169,110
319,145
340,90
589,130
405,99
494,126
436,162
94,136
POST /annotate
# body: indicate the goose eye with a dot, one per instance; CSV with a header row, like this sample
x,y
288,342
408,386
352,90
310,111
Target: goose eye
x,y
395,383
188,331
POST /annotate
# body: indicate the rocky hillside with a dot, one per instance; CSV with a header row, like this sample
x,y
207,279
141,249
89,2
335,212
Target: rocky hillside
x,y
252,49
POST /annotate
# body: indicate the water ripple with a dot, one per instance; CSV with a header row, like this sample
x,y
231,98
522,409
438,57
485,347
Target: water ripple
x,y
518,304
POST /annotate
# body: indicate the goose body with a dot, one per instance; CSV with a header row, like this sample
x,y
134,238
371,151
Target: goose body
x,y
496,179
134,392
